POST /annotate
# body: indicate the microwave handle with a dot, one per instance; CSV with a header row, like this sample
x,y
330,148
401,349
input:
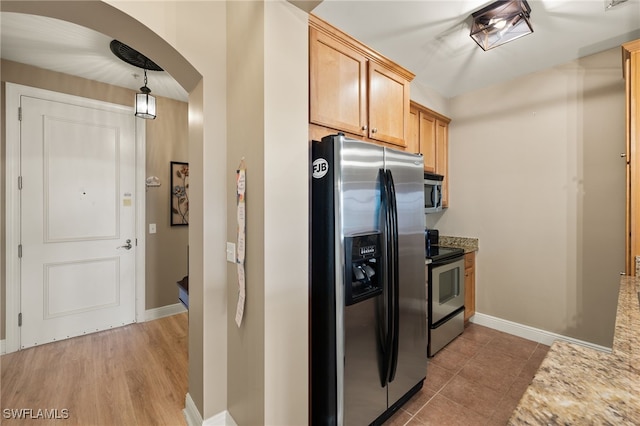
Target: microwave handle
x,y
434,196
439,196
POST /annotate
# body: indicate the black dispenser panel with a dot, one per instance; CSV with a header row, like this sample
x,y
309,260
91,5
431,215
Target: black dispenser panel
x,y
363,267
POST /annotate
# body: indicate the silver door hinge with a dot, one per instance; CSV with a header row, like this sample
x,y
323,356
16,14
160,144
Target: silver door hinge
x,y
19,251
19,113
20,183
20,319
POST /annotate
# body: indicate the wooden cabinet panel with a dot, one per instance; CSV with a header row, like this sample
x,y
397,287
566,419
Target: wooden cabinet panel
x,y
631,62
442,158
433,142
428,141
388,105
413,143
337,85
469,285
354,89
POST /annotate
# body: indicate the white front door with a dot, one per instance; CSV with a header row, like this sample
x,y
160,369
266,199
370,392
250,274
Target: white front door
x,y
77,217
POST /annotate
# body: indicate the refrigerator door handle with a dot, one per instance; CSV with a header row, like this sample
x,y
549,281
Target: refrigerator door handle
x,y
387,335
395,283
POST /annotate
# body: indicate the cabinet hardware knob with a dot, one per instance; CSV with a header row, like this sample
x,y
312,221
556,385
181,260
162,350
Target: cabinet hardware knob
x,y
374,130
623,154
364,127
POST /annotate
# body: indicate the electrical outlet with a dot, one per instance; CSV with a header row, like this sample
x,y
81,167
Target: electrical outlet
x,y
231,252
152,228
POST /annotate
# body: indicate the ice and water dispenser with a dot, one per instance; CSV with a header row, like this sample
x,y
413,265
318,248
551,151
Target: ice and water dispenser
x,y
363,267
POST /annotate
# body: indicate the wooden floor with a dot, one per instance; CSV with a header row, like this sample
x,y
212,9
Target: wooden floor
x,y
132,375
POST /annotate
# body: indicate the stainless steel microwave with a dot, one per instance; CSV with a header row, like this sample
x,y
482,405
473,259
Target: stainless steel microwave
x,y
432,192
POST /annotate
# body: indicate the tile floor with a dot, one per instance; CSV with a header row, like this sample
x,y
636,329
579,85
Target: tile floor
x,y
478,379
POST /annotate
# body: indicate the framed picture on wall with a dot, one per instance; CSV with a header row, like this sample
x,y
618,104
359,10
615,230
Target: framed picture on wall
x,y
179,193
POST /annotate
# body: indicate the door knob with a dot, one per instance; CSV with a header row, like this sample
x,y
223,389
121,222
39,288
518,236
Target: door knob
x,y
127,246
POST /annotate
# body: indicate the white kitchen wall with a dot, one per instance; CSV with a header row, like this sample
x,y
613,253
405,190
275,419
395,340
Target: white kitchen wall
x,y
536,174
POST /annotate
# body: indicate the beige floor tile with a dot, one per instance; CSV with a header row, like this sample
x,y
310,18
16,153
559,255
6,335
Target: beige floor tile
x,y
478,379
418,400
492,376
514,346
441,411
471,395
437,377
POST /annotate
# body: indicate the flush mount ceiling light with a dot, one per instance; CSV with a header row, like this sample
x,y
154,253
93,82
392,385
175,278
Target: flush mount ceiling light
x,y
145,102
501,22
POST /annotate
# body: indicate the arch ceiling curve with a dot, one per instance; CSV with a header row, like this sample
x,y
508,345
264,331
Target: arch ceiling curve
x,y
106,19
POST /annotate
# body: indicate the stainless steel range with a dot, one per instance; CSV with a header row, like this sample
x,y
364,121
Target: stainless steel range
x,y
445,293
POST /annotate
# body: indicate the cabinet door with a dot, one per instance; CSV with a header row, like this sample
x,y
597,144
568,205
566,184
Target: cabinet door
x,y
428,141
388,106
469,285
413,135
337,85
442,158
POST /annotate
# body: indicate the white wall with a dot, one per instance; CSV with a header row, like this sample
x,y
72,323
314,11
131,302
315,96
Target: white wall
x,y
286,215
197,30
430,98
535,172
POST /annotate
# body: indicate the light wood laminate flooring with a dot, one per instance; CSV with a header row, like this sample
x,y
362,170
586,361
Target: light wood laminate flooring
x,y
131,375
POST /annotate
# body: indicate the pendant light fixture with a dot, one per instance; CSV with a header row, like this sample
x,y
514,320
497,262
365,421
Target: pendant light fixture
x,y
501,22
145,102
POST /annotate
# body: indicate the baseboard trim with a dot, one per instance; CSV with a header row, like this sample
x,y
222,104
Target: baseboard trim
x,y
530,333
164,311
193,417
191,413
221,419
3,347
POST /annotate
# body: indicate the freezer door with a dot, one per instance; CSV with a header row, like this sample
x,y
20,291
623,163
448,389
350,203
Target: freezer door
x,y
408,175
358,186
357,213
364,398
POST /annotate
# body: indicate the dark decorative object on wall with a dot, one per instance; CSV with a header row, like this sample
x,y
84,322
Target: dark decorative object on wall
x,y
179,193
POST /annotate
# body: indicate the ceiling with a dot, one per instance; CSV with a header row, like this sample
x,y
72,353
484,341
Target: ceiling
x,y
429,37
72,49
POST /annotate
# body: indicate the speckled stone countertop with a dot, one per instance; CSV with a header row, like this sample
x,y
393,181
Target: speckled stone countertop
x,y
468,244
576,385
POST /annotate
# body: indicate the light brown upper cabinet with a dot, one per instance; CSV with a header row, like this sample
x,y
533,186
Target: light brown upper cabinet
x,y
354,89
442,157
429,135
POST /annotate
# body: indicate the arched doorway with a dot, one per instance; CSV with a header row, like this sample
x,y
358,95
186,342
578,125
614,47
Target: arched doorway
x,y
109,20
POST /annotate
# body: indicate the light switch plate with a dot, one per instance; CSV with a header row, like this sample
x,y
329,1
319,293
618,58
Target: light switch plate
x,y
152,228
231,252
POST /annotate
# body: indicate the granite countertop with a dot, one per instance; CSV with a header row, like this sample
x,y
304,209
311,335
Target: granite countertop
x,y
468,244
576,385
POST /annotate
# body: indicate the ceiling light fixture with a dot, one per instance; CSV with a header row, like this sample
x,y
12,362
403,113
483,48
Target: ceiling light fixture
x,y
610,4
145,102
501,22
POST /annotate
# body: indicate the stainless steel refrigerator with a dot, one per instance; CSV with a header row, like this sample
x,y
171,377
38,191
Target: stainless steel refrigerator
x,y
368,320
